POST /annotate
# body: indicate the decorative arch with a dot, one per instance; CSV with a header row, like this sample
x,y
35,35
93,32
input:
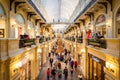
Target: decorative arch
x,y
118,12
100,19
2,10
2,22
117,22
20,19
100,24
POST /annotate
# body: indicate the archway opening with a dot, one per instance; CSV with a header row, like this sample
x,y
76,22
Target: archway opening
x,y
101,25
118,23
20,27
2,22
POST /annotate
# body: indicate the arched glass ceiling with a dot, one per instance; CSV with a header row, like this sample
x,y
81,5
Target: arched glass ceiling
x,y
65,11
57,10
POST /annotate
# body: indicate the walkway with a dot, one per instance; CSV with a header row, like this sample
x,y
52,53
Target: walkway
x,y
42,75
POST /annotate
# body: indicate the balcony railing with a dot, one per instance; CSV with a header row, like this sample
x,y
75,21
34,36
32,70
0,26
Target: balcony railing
x,y
79,40
98,43
70,38
41,39
26,42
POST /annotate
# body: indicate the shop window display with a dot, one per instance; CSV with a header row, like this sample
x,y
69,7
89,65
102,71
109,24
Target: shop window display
x,y
96,68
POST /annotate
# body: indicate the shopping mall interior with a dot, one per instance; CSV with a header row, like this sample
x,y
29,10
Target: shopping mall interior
x,y
59,39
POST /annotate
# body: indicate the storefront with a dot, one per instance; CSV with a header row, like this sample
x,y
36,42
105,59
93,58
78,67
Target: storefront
x,y
40,52
96,68
21,68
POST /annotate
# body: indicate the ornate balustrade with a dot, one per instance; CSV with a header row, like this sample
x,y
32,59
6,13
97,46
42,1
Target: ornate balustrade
x,y
98,43
79,40
26,42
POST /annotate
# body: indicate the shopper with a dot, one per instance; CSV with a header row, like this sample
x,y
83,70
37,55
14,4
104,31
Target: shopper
x,y
76,64
65,72
53,73
72,63
55,64
49,54
48,74
51,61
80,77
71,70
59,73
59,65
66,61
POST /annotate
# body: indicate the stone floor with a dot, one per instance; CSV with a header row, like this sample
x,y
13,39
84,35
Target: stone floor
x,y
42,75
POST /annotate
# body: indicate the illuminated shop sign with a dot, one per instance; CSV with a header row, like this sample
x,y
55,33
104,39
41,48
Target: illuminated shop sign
x,y
95,59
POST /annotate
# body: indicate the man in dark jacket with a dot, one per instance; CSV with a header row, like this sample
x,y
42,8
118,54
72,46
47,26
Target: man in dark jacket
x,y
65,72
53,72
51,61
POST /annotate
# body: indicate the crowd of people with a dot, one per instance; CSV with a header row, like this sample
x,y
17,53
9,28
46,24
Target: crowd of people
x,y
55,69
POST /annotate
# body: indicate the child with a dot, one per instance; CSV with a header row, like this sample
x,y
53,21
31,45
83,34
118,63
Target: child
x,y
48,74
80,76
71,70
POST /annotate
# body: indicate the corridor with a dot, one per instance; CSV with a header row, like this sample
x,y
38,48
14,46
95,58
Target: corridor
x,y
43,75
85,34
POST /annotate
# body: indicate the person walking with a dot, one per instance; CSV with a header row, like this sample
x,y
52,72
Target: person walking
x,y
51,61
71,70
48,74
66,61
59,65
65,72
69,59
49,54
72,63
76,64
53,73
80,76
59,73
55,64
